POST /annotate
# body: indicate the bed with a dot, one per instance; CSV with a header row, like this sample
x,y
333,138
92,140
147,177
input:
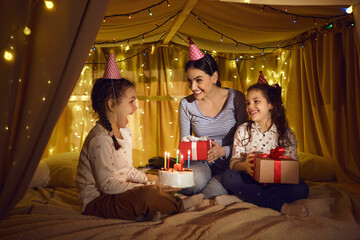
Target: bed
x,y
50,209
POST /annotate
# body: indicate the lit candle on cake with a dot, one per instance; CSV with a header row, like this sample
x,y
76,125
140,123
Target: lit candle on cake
x,y
168,162
177,156
165,160
188,159
182,162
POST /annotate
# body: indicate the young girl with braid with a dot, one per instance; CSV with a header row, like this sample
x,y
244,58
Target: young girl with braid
x,y
108,184
267,129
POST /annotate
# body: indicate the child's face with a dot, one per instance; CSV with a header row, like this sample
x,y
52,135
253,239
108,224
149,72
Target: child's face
x,y
125,107
258,107
200,83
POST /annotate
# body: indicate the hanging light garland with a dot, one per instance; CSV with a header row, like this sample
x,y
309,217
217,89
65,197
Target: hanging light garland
x,y
130,14
139,36
270,49
262,49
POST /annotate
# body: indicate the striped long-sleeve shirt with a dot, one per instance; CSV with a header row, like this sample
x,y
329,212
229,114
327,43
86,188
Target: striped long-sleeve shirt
x,y
220,128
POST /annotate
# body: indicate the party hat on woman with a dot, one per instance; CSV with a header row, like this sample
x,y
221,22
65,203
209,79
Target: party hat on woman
x,y
194,52
261,78
112,70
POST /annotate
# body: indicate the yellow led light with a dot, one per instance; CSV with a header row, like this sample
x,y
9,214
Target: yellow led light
x,y
49,4
8,56
27,31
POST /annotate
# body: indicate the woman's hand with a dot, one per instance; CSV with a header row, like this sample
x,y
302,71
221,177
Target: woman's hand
x,y
215,152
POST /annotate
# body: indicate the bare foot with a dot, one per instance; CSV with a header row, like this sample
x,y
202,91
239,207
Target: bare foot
x,y
193,200
294,209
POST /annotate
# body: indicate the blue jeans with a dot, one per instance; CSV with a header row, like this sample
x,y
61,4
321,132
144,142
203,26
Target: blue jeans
x,y
272,196
205,183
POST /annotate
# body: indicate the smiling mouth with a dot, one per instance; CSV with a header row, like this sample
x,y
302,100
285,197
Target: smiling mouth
x,y
197,92
253,112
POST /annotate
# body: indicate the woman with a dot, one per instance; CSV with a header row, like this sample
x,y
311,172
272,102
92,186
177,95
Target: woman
x,y
210,111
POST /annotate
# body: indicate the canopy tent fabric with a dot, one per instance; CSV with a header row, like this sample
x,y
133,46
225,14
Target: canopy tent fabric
x,y
213,25
37,84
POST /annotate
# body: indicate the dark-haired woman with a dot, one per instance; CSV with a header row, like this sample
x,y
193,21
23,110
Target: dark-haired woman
x,y
214,112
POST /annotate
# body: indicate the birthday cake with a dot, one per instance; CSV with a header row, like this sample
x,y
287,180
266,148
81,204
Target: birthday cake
x,y
175,178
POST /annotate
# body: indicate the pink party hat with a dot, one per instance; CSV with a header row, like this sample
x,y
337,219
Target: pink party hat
x,y
261,78
194,51
112,70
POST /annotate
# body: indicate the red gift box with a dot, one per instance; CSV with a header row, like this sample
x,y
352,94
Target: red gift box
x,y
198,150
275,168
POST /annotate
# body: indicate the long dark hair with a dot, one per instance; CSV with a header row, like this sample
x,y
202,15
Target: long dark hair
x,y
103,90
206,64
278,115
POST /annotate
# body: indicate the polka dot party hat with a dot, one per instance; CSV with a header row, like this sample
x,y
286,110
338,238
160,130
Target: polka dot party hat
x,y
194,52
261,78
112,70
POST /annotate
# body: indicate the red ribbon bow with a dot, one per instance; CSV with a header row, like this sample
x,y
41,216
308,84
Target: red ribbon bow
x,y
275,154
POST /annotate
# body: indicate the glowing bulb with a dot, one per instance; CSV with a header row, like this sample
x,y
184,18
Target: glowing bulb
x,y
8,56
152,49
27,31
349,10
49,4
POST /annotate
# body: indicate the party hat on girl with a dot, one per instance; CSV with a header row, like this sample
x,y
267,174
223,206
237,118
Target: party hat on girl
x,y
112,70
194,52
261,78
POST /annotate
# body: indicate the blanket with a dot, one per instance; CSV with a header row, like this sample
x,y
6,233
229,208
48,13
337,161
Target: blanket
x,y
55,213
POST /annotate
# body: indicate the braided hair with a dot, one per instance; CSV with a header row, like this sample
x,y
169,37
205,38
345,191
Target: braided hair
x,y
103,90
278,114
207,64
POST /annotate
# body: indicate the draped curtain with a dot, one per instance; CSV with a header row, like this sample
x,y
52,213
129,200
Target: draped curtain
x,y
38,82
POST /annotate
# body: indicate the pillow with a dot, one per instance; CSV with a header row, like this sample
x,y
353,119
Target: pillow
x,y
315,168
56,171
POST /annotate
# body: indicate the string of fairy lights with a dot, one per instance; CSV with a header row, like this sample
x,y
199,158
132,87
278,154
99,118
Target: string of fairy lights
x,y
148,8
9,52
264,50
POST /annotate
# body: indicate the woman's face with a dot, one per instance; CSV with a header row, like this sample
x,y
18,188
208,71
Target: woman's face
x,y
200,82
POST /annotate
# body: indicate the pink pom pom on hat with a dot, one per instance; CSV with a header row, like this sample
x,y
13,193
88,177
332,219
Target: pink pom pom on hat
x,y
261,78
112,70
194,52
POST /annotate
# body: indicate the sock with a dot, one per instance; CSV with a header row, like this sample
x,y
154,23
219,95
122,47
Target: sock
x,y
154,216
226,199
295,209
193,201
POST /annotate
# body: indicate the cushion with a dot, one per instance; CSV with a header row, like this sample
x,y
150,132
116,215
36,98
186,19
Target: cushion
x,y
316,168
56,171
